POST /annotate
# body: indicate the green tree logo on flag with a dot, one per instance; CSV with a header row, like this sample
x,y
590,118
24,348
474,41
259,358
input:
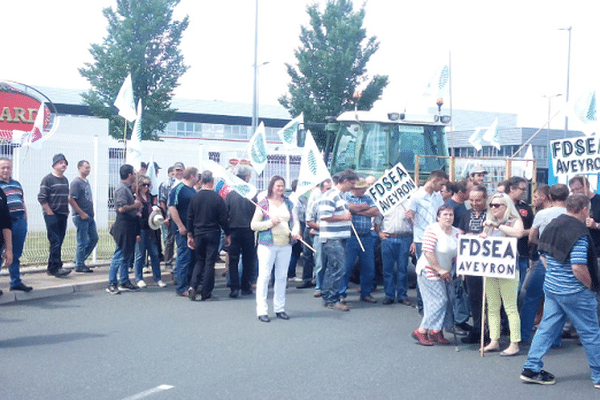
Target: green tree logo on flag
x,y
312,162
259,151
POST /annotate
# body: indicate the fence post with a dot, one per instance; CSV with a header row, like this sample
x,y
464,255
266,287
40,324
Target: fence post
x,y
95,189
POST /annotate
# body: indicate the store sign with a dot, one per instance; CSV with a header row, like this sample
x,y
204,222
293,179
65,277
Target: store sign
x,y
19,119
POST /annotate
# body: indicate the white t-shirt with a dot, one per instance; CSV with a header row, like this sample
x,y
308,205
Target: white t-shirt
x,y
444,246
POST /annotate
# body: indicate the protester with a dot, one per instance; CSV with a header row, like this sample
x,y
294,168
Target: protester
x,y
312,222
206,217
18,216
6,247
276,227
571,280
179,201
54,198
299,210
503,220
395,233
125,231
534,284
472,223
363,209
147,239
457,201
516,188
335,221
81,201
164,189
580,185
434,273
241,211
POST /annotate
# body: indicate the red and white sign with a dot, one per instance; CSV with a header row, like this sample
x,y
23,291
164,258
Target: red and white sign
x,y
19,119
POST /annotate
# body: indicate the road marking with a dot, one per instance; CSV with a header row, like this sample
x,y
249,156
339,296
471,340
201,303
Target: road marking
x,y
160,388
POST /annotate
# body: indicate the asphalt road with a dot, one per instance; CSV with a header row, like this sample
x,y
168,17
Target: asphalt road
x,y
154,345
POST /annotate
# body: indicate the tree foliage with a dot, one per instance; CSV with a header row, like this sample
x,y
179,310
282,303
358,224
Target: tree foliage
x,y
142,39
332,62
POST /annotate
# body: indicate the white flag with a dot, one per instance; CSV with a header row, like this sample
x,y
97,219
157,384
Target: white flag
x,y
528,167
36,135
439,86
584,108
153,178
225,181
134,147
257,149
289,133
312,167
124,101
492,136
476,139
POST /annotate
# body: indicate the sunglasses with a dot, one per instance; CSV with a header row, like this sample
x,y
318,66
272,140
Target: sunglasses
x,y
496,205
145,184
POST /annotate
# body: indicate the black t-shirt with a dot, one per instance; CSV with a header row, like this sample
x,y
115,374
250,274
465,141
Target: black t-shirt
x,y
526,214
5,220
471,224
595,210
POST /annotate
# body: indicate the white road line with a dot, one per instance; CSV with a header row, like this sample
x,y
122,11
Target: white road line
x,y
150,392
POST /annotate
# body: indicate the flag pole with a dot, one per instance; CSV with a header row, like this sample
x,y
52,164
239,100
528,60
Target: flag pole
x,y
534,135
450,98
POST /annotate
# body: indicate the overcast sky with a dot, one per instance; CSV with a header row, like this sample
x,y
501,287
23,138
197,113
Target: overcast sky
x,y
505,56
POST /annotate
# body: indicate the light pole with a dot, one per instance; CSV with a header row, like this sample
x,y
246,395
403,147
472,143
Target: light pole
x,y
568,75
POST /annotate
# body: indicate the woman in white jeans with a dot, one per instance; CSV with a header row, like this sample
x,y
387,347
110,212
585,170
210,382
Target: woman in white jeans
x,y
274,222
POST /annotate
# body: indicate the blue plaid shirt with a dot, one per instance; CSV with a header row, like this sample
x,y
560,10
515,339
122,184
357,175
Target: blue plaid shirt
x,y
361,223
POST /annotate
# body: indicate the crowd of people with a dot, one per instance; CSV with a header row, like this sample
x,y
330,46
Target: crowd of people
x,y
338,231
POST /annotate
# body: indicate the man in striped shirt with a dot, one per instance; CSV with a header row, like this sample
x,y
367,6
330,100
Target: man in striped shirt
x,y
54,198
335,226
571,280
18,216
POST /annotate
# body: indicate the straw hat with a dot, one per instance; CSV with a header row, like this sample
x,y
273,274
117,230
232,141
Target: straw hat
x,y
155,220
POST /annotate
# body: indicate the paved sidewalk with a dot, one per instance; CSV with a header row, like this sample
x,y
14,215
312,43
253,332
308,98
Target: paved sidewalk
x,y
48,286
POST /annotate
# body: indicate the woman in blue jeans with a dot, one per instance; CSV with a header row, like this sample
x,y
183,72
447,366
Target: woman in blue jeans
x,y
147,242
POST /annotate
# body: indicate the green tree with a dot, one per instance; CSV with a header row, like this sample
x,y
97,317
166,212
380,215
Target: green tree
x,y
332,62
142,39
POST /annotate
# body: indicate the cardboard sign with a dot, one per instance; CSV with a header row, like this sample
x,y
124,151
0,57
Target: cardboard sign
x,y
494,257
575,156
392,188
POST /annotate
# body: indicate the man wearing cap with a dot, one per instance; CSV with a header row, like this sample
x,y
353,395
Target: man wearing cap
x,y
54,198
477,175
18,217
363,209
163,197
80,199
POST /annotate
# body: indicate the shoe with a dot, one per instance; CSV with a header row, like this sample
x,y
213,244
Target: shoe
x,y
597,385
210,297
438,338
128,287
141,284
191,294
58,273
505,354
248,292
234,294
264,318
421,338
369,299
542,377
22,287
295,279
84,269
161,284
406,302
305,285
342,300
318,293
112,289
1,292
387,301
339,306
282,315
465,327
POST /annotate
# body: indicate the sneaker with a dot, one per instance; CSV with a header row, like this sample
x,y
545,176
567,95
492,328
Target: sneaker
x,y
421,338
22,287
387,300
141,284
128,287
542,377
84,269
597,385
338,306
368,299
318,293
112,289
161,284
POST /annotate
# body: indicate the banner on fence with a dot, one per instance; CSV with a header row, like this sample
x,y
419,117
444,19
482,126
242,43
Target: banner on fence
x,y
494,257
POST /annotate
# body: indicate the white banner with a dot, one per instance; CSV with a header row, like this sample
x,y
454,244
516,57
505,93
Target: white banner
x,y
575,156
392,189
493,257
